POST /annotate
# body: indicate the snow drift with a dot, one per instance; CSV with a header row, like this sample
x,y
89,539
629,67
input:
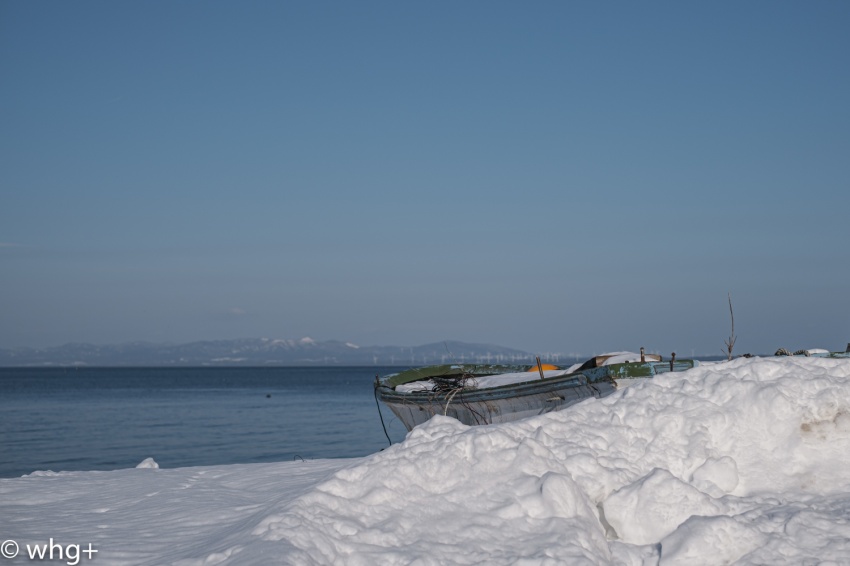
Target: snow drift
x,y
741,461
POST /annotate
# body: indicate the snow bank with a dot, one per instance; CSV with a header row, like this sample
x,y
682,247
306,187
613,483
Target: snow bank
x,y
734,462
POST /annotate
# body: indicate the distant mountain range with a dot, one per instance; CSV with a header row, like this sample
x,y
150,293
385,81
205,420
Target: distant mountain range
x,y
266,352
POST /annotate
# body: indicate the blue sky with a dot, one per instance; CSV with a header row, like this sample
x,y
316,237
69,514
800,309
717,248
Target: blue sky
x,y
551,176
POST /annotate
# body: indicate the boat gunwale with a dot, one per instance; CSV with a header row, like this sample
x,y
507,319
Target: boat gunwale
x,y
586,377
520,389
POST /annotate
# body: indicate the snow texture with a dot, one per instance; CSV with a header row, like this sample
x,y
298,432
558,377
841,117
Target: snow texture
x,y
738,462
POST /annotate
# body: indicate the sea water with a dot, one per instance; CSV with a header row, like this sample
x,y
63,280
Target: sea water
x,y
67,419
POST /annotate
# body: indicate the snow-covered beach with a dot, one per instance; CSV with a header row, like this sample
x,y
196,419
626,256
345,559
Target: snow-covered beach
x,y
736,462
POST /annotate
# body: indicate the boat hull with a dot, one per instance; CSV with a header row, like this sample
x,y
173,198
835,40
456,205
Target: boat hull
x,y
491,406
520,400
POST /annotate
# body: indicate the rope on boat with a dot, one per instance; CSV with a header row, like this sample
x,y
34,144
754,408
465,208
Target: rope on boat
x,y
449,400
380,414
448,387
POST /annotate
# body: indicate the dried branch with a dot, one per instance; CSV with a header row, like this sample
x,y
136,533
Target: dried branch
x,y
730,344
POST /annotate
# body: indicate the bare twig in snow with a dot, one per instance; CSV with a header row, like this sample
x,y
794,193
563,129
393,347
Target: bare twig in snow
x,y
730,344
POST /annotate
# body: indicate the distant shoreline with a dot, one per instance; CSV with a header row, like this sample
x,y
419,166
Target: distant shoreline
x,y
71,366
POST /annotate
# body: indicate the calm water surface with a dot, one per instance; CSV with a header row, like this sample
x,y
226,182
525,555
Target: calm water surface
x,y
106,418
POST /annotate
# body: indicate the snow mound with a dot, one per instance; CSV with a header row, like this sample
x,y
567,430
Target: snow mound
x,y
148,463
726,455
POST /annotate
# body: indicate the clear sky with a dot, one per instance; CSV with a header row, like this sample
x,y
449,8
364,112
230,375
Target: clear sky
x,y
551,176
